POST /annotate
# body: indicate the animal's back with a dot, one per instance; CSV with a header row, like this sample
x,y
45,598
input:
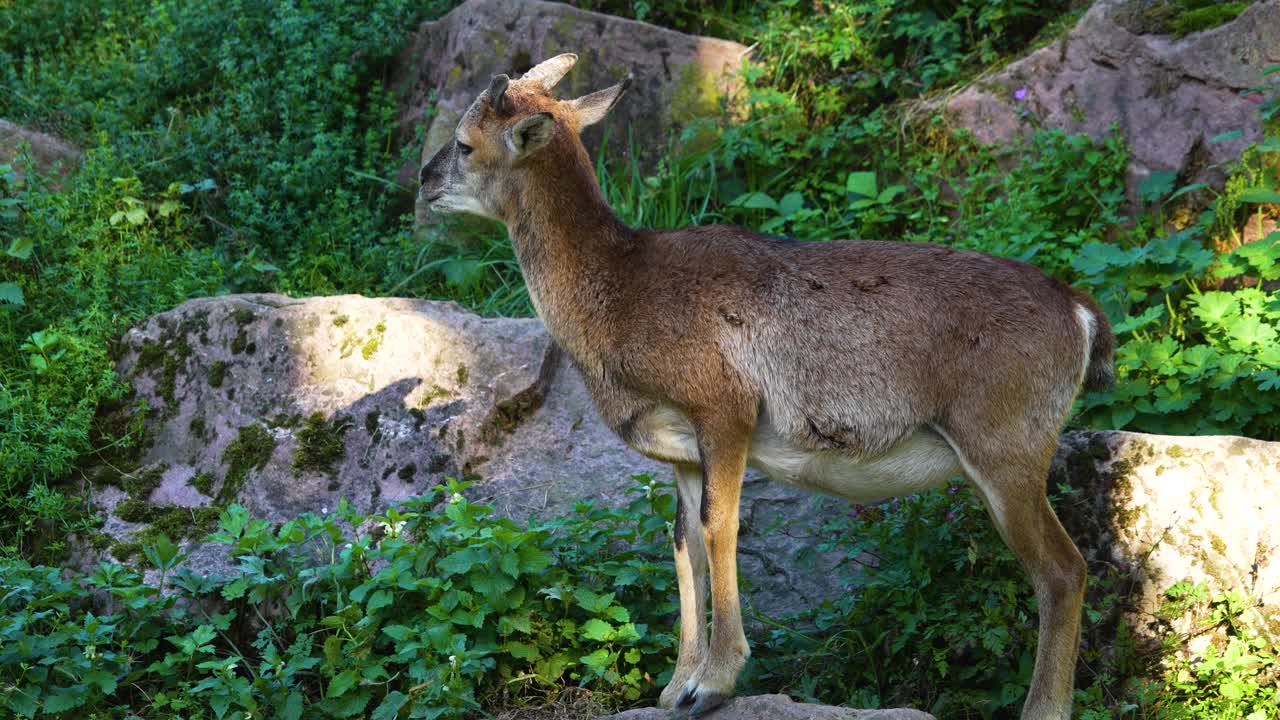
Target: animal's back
x,y
847,340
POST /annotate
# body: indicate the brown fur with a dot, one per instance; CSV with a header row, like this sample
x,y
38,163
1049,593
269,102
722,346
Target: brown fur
x,y
712,347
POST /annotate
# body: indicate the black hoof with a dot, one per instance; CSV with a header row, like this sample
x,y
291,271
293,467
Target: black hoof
x,y
706,702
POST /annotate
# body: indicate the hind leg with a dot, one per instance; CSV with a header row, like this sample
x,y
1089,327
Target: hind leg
x,y
691,575
1011,481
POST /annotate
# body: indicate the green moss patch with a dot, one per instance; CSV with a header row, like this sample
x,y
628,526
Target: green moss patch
x,y
217,373
250,450
140,485
167,357
1178,17
374,342
320,444
204,483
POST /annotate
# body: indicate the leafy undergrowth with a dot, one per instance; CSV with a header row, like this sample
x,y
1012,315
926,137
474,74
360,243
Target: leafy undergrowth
x,y
943,619
435,609
438,609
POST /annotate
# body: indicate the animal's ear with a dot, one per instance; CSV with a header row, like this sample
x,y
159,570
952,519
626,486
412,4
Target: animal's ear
x,y
549,72
530,133
592,108
498,91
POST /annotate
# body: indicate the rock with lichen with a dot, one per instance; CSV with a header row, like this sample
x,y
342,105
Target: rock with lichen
x,y
288,406
1169,509
1181,87
678,78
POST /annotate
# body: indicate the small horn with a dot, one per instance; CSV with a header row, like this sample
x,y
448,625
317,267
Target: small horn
x,y
497,89
549,72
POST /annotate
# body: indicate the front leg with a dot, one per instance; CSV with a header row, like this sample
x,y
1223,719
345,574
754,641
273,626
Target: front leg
x,y
691,574
723,443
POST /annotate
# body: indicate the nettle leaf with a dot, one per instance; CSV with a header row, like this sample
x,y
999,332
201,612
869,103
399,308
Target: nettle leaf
x,y
522,651
399,633
591,602
21,248
598,661
862,184
463,560
487,583
598,630
351,703
790,204
23,701
105,681
390,706
343,682
292,707
755,201
380,599
533,559
64,699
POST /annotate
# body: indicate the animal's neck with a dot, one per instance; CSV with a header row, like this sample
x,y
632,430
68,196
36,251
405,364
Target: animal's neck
x,y
570,247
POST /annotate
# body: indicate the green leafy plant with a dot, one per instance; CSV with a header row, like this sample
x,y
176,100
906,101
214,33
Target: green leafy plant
x,y
436,610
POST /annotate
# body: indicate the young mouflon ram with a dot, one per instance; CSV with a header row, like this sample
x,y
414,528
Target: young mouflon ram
x,y
860,369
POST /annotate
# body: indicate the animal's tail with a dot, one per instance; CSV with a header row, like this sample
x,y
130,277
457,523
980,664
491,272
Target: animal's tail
x,y
1099,372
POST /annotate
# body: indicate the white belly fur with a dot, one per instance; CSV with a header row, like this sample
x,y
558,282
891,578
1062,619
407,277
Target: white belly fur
x,y
919,461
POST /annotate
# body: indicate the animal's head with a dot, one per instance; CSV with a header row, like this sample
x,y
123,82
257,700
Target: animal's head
x,y
506,131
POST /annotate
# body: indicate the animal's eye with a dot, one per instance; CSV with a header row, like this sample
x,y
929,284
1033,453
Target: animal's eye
x,y
465,149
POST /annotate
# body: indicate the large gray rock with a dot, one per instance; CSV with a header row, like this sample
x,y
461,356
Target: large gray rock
x,y
1169,509
49,155
678,78
1170,98
778,707
286,406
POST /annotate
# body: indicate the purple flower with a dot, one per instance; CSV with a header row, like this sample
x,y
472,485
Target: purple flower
x,y
1020,94
954,490
951,516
